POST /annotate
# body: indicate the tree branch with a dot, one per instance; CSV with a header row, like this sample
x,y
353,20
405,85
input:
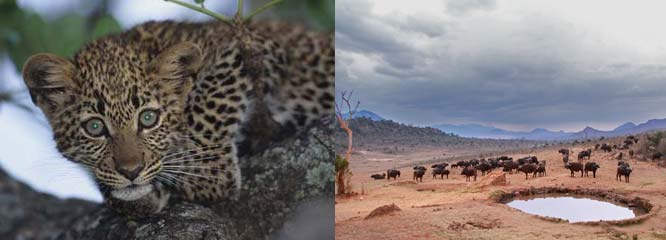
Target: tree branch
x,y
284,177
239,10
201,9
262,8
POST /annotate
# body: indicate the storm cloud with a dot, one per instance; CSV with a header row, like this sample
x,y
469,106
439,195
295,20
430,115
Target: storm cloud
x,y
521,64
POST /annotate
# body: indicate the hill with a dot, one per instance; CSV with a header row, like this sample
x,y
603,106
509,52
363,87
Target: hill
x,y
365,114
395,137
483,131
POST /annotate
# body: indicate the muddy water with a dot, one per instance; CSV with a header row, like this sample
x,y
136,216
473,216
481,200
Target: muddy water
x,y
574,209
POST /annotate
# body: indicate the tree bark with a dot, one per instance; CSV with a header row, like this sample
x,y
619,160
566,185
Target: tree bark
x,y
344,124
289,175
342,188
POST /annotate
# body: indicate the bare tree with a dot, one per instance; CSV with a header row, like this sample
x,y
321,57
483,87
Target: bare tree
x,y
342,164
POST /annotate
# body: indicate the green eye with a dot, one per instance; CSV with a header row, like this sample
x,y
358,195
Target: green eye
x,y
148,118
94,127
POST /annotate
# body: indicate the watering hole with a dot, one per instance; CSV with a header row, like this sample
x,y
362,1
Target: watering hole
x,y
573,208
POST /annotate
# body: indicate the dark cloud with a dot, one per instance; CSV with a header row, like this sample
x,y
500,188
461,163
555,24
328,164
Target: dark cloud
x,y
530,71
359,31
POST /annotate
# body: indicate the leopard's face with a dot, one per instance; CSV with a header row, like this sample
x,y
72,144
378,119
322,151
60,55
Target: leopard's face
x,y
116,110
121,135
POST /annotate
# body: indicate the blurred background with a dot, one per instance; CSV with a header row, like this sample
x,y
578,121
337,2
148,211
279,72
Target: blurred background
x,y
27,150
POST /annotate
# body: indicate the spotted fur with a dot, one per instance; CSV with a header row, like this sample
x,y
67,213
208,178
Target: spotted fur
x,y
203,80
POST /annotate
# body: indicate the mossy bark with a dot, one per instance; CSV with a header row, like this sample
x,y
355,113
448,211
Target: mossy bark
x,y
277,181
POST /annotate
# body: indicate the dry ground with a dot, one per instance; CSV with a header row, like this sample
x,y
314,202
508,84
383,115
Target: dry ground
x,y
455,209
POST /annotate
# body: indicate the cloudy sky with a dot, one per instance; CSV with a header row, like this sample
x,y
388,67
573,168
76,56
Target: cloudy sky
x,y
516,64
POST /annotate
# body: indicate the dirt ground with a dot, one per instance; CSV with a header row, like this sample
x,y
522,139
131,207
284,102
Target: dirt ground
x,y
455,209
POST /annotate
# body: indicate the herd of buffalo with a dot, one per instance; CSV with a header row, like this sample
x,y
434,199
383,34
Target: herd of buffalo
x,y
528,165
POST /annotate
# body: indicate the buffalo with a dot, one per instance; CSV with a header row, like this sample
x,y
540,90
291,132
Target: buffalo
x,y
441,172
509,166
584,154
378,176
527,169
628,142
493,163
606,148
657,156
623,170
441,165
474,162
575,167
541,170
565,159
591,167
463,164
392,173
419,171
563,151
469,172
484,167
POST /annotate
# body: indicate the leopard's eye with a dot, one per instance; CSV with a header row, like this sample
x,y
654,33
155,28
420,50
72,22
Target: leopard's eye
x,y
94,127
148,118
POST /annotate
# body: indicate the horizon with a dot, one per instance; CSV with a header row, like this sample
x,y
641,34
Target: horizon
x,y
508,129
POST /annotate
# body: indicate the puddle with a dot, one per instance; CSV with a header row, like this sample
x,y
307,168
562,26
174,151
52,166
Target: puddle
x,y
573,208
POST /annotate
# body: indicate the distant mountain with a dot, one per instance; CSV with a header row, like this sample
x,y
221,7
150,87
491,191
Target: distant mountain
x,y
544,134
365,114
589,132
476,131
625,126
648,126
482,131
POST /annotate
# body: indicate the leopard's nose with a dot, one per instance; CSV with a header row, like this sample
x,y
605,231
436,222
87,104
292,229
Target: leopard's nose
x,y
130,173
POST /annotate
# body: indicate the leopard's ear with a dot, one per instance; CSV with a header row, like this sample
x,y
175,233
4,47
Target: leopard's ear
x,y
176,65
50,80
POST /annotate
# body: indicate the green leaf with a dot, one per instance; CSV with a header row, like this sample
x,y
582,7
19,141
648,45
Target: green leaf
x,y
28,37
340,163
7,3
105,25
70,32
199,1
24,33
321,13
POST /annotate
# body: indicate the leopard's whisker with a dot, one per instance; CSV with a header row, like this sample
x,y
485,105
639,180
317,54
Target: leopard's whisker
x,y
193,149
186,139
175,178
178,178
166,180
186,155
198,157
201,158
185,166
198,134
192,174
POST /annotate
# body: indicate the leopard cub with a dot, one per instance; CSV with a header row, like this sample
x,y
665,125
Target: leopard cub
x,y
157,111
